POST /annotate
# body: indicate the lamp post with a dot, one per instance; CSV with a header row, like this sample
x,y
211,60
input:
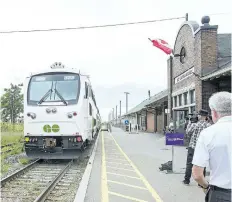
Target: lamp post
x,y
116,115
120,106
126,101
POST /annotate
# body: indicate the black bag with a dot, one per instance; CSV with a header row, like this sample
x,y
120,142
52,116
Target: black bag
x,y
166,166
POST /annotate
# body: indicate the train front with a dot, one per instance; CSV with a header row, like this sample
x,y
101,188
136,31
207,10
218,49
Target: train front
x,y
52,125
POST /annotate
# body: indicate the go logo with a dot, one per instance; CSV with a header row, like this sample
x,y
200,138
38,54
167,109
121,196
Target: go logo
x,y
55,128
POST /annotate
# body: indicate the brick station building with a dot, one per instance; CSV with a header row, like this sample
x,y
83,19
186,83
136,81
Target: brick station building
x,y
199,67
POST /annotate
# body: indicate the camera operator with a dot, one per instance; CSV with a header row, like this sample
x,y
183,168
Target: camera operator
x,y
196,125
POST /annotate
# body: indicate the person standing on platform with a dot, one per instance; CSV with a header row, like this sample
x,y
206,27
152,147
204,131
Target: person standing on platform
x,y
194,130
214,147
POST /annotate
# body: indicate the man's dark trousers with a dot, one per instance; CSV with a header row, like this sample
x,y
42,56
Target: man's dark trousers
x,y
189,165
218,196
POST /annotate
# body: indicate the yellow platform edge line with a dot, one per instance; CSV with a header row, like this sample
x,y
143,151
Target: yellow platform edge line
x,y
104,187
118,163
120,168
146,183
117,159
129,185
126,197
123,175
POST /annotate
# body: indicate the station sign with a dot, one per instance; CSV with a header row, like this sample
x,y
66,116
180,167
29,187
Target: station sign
x,y
175,139
185,75
126,122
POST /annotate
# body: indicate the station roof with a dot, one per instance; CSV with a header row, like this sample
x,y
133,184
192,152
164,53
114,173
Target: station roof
x,y
148,101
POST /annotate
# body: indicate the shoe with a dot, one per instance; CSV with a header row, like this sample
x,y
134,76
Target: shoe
x,y
186,182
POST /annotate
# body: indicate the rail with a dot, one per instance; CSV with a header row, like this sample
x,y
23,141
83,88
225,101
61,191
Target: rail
x,y
42,197
17,173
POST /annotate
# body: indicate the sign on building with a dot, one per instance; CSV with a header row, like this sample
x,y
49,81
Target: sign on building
x,y
185,75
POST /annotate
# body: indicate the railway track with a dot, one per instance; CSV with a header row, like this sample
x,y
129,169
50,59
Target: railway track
x,y
42,181
45,180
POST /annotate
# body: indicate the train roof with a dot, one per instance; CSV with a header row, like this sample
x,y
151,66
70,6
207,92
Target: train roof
x,y
59,67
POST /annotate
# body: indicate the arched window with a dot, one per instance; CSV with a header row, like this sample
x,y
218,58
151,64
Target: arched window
x,y
182,55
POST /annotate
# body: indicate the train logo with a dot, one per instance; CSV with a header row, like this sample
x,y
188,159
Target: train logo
x,y
55,128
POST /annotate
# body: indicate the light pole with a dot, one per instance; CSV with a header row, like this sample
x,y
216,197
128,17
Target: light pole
x,y
113,116
126,101
120,104
116,115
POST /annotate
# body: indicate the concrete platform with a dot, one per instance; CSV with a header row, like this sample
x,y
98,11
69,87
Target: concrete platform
x,y
125,168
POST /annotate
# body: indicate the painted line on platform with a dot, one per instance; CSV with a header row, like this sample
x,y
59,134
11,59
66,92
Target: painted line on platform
x,y
126,197
83,186
118,163
123,175
146,183
104,186
129,185
117,160
120,168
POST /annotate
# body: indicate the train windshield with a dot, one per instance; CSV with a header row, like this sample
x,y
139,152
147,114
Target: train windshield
x,y
60,88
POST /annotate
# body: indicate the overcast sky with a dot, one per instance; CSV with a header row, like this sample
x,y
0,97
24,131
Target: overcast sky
x,y
117,59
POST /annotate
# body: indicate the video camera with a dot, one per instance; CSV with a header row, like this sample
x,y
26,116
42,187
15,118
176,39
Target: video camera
x,y
194,119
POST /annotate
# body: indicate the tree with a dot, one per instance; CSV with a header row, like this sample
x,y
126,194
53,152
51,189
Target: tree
x,y
11,103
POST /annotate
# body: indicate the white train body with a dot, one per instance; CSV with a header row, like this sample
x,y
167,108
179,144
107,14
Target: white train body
x,y
60,113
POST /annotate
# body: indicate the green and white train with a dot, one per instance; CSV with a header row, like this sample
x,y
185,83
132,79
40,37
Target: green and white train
x,y
60,113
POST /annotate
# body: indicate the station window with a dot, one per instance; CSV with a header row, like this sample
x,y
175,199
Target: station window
x,y
192,109
175,101
143,121
192,96
180,99
185,98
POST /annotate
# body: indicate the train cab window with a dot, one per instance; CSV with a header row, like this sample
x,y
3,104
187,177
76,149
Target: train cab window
x,y
90,109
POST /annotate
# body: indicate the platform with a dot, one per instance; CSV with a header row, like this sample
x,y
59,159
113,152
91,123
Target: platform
x,y
126,168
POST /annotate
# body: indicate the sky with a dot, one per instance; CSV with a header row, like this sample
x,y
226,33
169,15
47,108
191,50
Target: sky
x,y
118,59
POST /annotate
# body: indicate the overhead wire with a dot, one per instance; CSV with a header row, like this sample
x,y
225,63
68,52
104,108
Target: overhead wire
x,y
90,27
99,26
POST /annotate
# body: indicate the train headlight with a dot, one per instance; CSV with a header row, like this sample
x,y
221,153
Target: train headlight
x,y
70,115
54,110
33,116
48,110
27,139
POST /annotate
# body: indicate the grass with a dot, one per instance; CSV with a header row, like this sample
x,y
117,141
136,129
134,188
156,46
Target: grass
x,y
23,161
12,140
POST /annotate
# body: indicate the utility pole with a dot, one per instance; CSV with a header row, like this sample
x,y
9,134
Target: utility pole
x,y
126,101
116,115
113,117
186,17
120,104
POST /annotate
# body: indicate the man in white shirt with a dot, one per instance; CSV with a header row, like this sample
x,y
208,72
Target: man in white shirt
x,y
214,148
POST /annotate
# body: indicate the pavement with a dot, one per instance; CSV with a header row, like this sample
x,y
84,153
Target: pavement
x,y
126,168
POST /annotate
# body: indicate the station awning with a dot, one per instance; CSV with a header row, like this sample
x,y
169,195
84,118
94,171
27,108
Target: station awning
x,y
221,72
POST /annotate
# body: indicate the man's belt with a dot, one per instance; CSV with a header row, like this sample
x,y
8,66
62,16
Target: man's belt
x,y
212,187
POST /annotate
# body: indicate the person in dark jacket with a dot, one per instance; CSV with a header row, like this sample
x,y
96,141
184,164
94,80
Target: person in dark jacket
x,y
194,130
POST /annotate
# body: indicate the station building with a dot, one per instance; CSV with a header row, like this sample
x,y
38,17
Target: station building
x,y
199,67
151,114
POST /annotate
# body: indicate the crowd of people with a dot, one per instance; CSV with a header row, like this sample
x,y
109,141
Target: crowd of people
x,y
209,143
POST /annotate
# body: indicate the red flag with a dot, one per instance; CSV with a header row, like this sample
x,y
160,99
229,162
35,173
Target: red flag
x,y
163,45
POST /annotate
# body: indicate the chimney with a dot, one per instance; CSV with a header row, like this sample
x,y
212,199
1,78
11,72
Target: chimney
x,y
206,47
149,94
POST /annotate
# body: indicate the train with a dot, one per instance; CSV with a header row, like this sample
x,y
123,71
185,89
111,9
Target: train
x,y
61,117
